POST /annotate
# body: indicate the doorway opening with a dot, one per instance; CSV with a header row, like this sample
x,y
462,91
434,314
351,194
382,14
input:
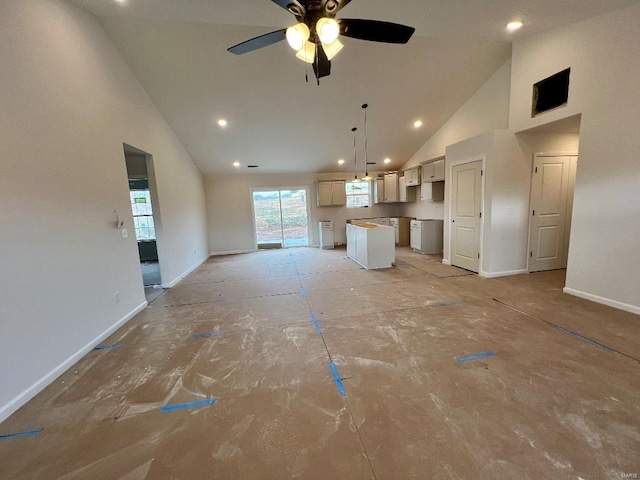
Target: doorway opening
x,y
281,218
146,221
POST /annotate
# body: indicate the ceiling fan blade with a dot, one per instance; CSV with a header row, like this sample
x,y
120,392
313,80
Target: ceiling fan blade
x,y
259,42
375,30
322,65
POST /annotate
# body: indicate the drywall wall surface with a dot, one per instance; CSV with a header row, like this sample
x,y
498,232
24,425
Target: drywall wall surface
x,y
548,143
230,210
68,103
604,56
509,184
486,110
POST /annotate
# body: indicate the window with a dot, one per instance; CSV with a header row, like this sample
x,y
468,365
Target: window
x,y
358,194
142,215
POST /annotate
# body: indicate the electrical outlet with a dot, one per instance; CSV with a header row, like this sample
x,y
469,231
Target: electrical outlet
x,y
125,233
117,297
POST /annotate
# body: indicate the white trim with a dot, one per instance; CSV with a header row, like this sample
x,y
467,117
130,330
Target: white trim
x,y
22,398
232,252
503,274
604,301
446,262
184,274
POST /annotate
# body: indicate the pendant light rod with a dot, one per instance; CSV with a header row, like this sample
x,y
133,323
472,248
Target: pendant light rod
x,y
355,156
366,144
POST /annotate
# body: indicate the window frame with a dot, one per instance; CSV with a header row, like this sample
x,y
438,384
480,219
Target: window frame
x,y
347,184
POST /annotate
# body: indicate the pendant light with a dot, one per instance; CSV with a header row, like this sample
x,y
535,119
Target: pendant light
x,y
355,157
366,177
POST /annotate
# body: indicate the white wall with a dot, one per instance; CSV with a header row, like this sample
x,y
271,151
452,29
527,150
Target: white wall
x,y
68,102
230,211
604,56
486,110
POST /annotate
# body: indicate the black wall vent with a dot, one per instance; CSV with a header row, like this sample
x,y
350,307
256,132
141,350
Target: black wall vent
x,y
550,93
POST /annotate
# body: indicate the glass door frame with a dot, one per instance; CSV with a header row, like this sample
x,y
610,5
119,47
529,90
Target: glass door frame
x,y
280,189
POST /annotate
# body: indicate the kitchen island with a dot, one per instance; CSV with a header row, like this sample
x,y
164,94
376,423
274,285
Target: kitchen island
x,y
372,246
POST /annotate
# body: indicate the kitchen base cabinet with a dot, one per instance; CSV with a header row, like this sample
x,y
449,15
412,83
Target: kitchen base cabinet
x,y
370,245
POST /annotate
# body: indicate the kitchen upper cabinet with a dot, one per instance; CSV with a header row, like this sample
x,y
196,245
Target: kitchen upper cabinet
x,y
412,177
378,190
331,193
405,194
433,171
391,187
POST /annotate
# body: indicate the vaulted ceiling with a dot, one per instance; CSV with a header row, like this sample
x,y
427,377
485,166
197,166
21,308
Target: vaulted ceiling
x,y
177,49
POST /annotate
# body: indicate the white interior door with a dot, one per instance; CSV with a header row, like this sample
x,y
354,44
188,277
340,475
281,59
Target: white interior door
x,y
551,204
466,215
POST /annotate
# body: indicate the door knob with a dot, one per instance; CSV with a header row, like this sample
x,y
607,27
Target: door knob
x,y
453,221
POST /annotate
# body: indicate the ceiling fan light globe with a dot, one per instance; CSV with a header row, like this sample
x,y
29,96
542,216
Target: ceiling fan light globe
x,y
328,30
297,36
332,49
307,53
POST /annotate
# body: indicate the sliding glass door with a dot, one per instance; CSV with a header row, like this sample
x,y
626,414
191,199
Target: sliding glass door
x,y
281,218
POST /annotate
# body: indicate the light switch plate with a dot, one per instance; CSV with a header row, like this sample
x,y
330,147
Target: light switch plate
x,y
125,233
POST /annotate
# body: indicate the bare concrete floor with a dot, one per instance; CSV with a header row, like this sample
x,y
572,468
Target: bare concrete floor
x,y
229,376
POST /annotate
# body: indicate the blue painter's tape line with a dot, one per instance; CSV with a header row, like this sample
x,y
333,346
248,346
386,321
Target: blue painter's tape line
x,y
185,406
207,335
14,436
451,304
109,347
477,356
316,324
304,292
337,379
584,339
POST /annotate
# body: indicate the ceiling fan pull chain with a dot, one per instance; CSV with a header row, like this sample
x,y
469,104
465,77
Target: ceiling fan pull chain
x,y
317,66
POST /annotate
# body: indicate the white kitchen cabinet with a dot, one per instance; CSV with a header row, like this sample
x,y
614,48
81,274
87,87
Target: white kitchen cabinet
x,y
378,190
331,193
390,188
433,171
412,177
432,191
370,245
405,194
427,236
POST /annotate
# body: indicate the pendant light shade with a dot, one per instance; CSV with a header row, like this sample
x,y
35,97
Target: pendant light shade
x,y
328,30
332,49
307,53
297,36
366,177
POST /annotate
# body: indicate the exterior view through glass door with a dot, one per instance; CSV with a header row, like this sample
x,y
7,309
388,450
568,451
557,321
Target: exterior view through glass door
x,y
281,218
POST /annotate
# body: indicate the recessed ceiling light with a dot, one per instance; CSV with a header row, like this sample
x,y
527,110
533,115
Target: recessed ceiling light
x,y
222,122
387,160
513,26
417,124
341,162
236,164
121,1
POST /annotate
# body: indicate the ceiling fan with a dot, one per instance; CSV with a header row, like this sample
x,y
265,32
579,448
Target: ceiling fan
x,y
315,36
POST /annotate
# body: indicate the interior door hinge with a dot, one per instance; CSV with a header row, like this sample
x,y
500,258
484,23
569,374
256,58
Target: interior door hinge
x,y
536,170
534,213
478,255
531,254
481,172
480,214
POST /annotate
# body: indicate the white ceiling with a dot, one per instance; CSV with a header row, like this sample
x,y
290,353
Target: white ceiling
x,y
177,49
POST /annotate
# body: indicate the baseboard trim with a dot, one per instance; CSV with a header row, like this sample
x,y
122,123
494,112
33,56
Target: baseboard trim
x,y
506,273
22,398
604,301
446,262
177,280
232,252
